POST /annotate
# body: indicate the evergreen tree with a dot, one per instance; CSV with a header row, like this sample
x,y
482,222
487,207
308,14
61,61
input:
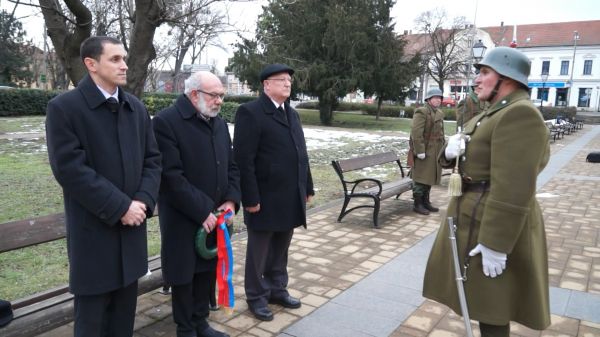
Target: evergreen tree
x,y
13,59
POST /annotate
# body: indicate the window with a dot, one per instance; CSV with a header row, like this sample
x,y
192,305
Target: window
x,y
587,67
545,67
542,93
584,97
564,68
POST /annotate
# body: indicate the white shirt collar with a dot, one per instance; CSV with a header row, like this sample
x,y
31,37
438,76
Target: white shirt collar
x,y
107,94
277,105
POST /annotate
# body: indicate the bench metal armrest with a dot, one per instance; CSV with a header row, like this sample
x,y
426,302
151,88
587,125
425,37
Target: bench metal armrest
x,y
357,183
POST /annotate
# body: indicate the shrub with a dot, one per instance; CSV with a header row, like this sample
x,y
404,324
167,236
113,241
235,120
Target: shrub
x,y
156,102
23,102
240,99
228,110
550,112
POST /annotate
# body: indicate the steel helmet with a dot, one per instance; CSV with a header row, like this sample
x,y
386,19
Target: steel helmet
x,y
508,62
434,92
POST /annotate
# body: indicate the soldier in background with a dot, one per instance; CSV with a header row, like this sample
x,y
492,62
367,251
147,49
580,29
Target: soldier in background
x,y
426,141
468,108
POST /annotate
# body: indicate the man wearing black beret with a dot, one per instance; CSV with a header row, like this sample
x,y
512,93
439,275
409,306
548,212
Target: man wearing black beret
x,y
276,184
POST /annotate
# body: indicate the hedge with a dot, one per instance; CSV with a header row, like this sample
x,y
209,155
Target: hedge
x,y
23,102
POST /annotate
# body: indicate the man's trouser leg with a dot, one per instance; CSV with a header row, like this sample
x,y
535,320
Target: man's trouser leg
x,y
419,194
109,314
190,305
488,330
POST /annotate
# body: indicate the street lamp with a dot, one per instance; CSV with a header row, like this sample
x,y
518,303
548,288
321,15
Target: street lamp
x,y
544,79
575,38
478,51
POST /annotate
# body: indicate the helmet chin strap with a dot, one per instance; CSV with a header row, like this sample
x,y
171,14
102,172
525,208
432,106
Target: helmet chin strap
x,y
496,87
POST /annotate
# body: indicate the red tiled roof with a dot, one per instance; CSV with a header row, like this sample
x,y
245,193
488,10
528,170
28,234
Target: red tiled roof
x,y
547,34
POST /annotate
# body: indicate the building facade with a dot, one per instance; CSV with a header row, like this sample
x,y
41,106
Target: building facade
x,y
565,61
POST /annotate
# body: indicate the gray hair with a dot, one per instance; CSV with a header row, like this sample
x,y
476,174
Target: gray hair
x,y
194,82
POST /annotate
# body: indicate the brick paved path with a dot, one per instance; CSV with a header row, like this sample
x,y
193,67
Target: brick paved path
x,y
332,259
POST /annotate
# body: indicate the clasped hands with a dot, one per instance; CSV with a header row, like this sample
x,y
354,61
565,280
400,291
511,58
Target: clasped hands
x,y
455,147
135,215
211,220
493,262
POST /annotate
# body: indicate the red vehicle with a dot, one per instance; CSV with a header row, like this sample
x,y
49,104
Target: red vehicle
x,y
448,102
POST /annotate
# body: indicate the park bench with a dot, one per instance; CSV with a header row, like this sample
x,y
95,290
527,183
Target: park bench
x,y
379,191
52,308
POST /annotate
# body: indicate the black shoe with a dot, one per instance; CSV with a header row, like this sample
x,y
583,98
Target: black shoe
x,y
262,313
210,332
287,302
213,307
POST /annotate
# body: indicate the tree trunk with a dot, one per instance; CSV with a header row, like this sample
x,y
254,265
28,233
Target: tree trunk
x,y
66,45
148,16
325,110
379,101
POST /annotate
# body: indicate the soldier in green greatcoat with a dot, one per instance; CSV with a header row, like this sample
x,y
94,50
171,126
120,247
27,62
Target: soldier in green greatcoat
x,y
468,108
500,231
426,142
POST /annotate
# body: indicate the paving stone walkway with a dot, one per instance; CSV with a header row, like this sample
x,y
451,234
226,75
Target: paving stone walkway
x,y
354,280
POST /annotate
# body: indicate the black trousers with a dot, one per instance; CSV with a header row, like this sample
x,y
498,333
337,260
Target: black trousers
x,y
266,274
190,304
488,330
110,314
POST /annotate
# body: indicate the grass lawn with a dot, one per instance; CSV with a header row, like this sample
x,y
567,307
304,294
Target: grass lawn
x,y
29,189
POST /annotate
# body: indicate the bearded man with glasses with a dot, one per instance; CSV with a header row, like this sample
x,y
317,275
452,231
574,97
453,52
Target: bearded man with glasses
x,y
276,184
200,177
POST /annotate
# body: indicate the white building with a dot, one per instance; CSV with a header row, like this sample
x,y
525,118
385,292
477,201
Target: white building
x,y
551,47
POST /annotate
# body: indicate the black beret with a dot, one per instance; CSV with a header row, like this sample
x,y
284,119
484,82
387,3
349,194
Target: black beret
x,y
275,69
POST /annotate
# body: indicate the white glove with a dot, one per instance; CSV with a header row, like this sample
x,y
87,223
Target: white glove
x,y
456,146
493,262
421,156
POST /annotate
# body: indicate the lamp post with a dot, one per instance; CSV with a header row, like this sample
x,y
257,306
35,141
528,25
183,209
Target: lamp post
x,y
544,79
575,38
478,51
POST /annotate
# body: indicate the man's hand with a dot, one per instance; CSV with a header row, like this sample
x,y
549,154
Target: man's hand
x,y
421,156
210,223
253,209
225,206
455,147
493,262
136,214
309,198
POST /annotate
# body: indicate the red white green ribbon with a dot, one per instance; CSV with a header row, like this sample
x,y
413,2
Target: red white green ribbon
x,y
226,298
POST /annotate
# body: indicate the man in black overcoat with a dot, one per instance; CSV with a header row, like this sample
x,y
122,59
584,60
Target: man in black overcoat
x,y
276,183
199,177
104,155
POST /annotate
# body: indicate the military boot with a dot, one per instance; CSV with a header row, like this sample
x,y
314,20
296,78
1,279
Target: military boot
x,y
428,205
419,207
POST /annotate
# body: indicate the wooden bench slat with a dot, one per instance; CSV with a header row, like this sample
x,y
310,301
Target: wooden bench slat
x,y
367,161
25,233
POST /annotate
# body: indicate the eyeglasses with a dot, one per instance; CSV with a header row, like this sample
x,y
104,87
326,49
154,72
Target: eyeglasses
x,y
212,94
291,80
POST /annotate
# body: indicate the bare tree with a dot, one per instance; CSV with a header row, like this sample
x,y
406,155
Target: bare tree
x,y
134,22
446,48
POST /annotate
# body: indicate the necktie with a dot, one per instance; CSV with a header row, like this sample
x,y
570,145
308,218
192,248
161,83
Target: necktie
x,y
112,104
283,113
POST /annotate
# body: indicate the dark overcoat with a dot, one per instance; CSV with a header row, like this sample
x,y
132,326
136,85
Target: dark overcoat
x,y
508,147
273,161
427,136
199,174
102,160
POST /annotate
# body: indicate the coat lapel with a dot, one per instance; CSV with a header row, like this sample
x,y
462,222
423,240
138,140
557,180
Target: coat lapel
x,y
270,109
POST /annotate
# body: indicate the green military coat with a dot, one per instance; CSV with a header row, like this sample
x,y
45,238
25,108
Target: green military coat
x,y
508,147
427,136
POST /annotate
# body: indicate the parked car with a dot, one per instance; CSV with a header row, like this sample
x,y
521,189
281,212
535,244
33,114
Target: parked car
x,y
4,87
448,102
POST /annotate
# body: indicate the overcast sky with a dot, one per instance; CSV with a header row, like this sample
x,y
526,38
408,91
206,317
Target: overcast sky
x,y
481,12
